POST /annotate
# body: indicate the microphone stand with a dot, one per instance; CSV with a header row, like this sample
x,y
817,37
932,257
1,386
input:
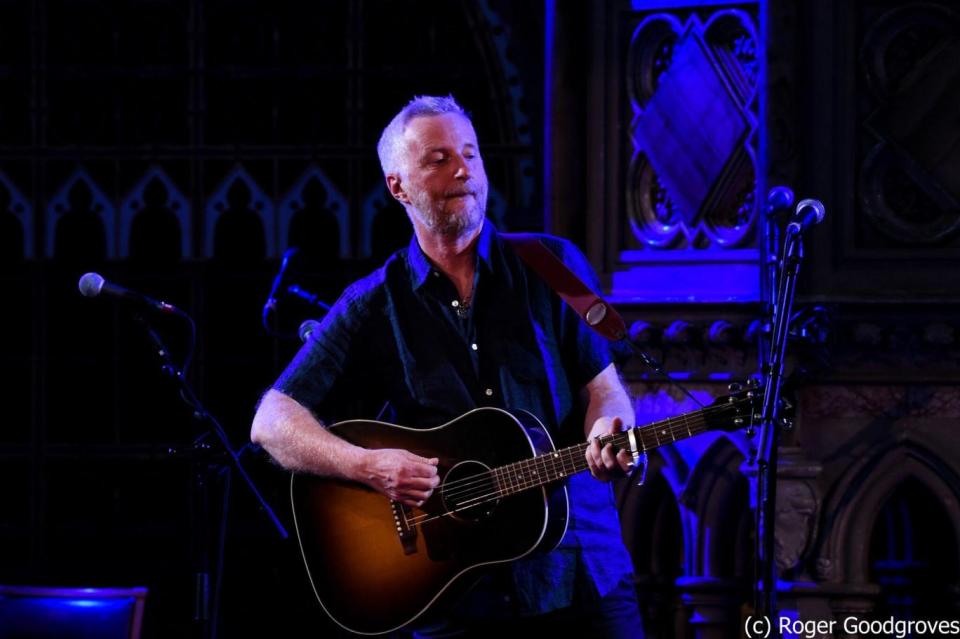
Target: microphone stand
x,y
206,470
766,458
281,289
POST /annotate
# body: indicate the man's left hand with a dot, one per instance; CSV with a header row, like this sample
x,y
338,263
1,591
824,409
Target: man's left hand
x,y
606,463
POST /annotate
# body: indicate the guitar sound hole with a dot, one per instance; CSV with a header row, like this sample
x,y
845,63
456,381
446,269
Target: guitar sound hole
x,y
469,491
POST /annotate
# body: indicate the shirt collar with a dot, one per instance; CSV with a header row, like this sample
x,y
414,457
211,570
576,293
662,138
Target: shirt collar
x,y
420,267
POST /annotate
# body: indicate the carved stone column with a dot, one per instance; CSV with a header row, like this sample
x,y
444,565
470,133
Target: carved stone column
x,y
798,509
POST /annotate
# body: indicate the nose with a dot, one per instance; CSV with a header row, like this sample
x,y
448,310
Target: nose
x,y
463,171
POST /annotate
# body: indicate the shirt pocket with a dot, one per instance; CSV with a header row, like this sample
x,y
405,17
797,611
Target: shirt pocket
x,y
524,364
437,388
524,380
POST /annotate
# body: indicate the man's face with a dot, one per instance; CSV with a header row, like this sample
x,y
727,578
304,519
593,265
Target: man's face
x,y
443,179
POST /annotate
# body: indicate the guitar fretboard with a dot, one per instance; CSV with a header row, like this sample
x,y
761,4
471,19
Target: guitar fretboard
x,y
538,471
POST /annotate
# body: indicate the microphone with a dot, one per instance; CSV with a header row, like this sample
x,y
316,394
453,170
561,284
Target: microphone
x,y
779,198
306,329
278,281
93,285
809,213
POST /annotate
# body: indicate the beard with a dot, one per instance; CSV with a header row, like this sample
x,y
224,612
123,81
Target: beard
x,y
444,216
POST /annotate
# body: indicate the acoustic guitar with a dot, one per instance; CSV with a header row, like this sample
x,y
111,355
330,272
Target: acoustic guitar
x,y
376,565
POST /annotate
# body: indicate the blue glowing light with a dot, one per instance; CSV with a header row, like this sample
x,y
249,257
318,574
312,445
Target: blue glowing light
x,y
91,603
720,376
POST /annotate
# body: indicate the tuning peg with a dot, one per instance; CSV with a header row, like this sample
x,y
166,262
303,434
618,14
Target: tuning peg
x,y
752,382
734,387
750,431
786,423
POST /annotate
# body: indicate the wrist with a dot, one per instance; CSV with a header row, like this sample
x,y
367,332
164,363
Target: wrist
x,y
358,469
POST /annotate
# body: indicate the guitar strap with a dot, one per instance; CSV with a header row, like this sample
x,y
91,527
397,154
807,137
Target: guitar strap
x,y
593,309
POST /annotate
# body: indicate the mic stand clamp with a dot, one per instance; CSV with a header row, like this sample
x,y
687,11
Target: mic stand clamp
x,y
207,454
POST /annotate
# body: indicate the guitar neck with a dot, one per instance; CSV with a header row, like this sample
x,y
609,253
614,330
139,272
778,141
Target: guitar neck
x,y
559,464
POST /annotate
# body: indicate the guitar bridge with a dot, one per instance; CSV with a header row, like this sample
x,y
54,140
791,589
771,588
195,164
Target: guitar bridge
x,y
405,531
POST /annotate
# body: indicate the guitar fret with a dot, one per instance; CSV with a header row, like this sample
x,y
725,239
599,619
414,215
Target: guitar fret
x,y
670,431
500,487
560,464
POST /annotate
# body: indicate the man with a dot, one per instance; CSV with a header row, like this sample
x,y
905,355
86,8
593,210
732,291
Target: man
x,y
453,322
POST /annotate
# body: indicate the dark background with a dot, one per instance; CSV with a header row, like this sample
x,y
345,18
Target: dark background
x,y
180,147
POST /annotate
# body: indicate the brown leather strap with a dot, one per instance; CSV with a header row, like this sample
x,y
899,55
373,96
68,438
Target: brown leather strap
x,y
594,310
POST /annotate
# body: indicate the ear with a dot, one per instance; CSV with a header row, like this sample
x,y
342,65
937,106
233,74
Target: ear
x,y
396,189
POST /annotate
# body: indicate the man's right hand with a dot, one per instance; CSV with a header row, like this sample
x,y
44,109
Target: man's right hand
x,y
400,475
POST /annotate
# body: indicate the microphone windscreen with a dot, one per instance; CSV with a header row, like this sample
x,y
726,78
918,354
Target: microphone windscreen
x,y
780,197
812,208
91,284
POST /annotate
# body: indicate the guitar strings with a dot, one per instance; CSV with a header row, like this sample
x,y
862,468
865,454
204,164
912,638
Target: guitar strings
x,y
478,487
572,454
548,461
497,493
680,424
527,473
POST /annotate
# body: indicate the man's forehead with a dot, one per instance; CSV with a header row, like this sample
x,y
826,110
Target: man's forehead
x,y
443,128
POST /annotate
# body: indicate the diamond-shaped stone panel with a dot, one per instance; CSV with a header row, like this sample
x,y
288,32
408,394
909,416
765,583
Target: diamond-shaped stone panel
x,y
923,122
691,126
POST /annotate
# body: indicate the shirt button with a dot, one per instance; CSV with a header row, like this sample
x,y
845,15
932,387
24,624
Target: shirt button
x,y
436,273
455,303
473,346
488,392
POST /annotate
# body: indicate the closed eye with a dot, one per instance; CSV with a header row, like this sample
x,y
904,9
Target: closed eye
x,y
435,160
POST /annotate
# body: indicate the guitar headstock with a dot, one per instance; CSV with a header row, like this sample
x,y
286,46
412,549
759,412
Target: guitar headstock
x,y
740,409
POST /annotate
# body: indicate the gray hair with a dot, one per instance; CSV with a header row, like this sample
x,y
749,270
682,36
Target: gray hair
x,y
389,147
